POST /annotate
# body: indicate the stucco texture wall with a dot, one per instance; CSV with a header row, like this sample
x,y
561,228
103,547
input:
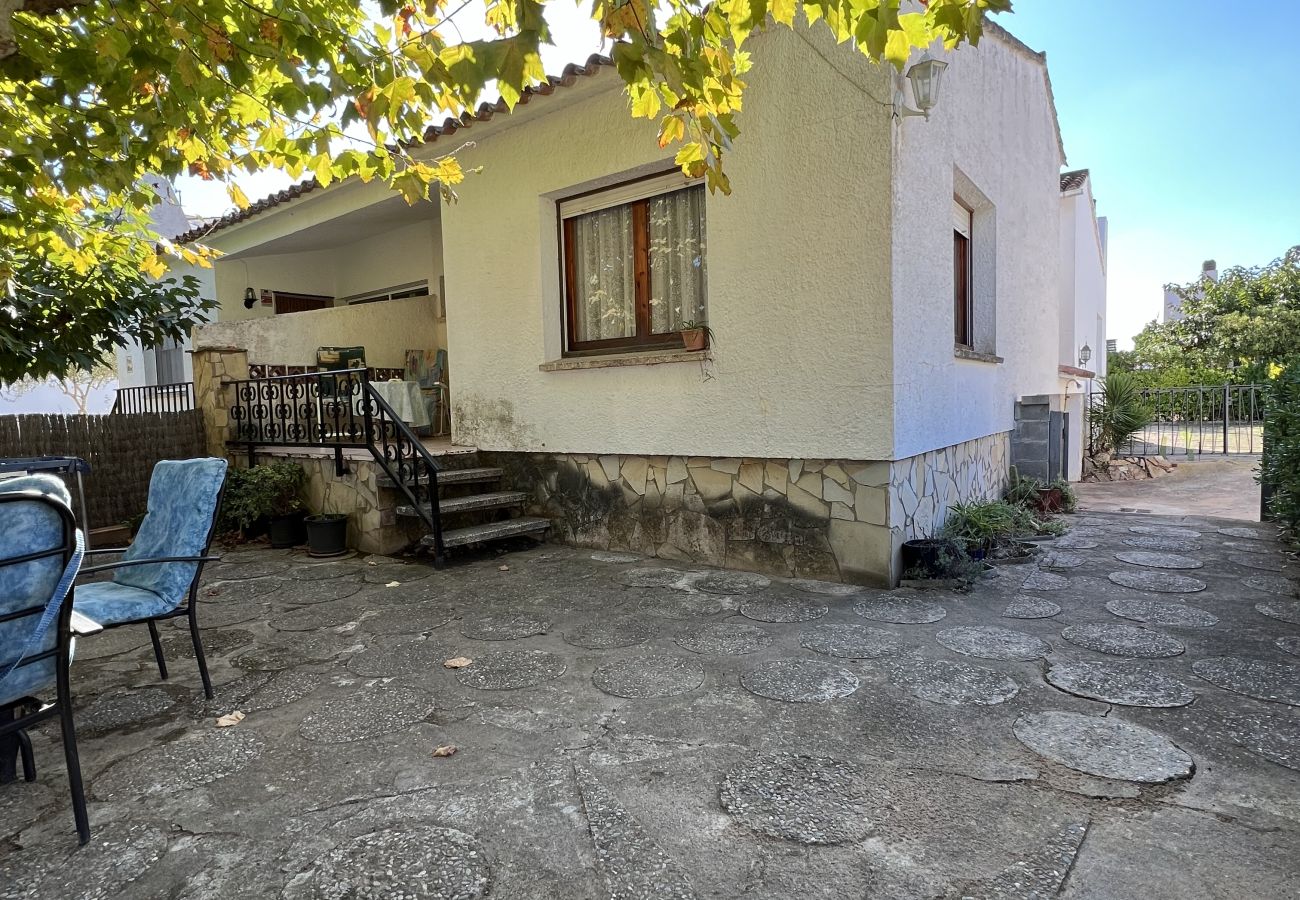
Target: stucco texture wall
x,y
385,329
798,266
993,129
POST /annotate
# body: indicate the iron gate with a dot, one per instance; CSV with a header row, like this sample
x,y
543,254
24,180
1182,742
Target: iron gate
x,y
1191,421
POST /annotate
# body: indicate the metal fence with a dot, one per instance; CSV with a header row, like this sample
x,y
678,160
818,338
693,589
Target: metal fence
x,y
1192,421
155,398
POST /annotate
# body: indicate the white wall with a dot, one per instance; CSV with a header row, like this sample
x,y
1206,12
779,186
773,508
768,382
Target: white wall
x,y
798,267
994,124
1082,292
386,330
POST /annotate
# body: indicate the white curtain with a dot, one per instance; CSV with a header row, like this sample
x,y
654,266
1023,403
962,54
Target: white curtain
x,y
604,275
677,252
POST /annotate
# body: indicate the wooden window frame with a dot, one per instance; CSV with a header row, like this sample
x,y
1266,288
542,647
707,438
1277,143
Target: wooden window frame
x,y
643,339
963,276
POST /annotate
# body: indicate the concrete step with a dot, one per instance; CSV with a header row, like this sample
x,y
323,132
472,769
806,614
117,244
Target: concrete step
x,y
473,503
492,531
452,476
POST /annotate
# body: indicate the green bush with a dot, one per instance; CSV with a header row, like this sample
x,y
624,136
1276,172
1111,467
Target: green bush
x,y
260,492
1121,411
984,521
1280,465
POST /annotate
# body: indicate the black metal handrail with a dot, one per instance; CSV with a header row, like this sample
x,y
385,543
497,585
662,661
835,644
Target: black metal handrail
x,y
340,410
154,398
1196,420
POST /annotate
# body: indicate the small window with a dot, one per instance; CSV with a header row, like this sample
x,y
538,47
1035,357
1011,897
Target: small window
x,y
634,265
962,307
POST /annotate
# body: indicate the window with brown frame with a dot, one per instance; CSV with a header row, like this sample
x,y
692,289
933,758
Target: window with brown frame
x,y
962,312
634,265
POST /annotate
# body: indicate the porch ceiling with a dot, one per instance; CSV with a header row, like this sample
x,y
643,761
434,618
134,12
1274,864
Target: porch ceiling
x,y
375,218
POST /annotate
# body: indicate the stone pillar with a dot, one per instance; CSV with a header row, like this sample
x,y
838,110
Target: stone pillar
x,y
213,367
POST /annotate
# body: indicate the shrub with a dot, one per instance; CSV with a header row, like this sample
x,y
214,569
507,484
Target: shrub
x,y
1069,499
983,521
1279,468
260,492
1120,413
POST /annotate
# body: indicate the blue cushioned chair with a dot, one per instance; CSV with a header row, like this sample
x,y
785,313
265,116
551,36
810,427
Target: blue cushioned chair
x,y
159,577
40,552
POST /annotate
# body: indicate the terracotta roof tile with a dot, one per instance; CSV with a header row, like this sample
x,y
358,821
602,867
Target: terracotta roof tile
x,y
1073,181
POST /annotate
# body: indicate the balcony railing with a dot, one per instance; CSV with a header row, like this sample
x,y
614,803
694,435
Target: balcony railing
x,y
154,398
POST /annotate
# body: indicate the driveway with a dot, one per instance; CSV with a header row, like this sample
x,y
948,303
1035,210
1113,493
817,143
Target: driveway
x,y
1205,486
629,729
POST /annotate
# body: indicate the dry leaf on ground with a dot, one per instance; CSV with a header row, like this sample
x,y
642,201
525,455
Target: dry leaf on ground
x,y
457,662
445,750
233,718
393,584
505,568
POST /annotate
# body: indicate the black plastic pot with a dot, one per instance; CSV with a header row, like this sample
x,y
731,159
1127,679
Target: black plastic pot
x,y
930,557
288,530
327,535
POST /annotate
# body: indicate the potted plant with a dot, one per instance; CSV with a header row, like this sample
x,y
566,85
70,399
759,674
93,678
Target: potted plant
x,y
696,335
266,497
929,557
327,534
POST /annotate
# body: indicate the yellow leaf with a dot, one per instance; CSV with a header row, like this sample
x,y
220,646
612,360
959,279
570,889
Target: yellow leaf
x,y
457,662
237,195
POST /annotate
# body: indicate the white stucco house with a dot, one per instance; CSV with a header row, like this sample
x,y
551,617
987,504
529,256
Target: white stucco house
x,y
1172,310
892,302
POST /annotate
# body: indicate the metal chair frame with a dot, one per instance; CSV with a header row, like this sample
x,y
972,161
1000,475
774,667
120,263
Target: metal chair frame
x,y
18,723
188,607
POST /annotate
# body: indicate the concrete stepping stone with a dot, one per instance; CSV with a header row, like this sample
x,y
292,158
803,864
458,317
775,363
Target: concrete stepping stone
x,y
725,639
1264,563
389,571
605,634
1073,542
649,576
1125,684
1039,876
305,649
1089,522
324,571
121,708
281,689
644,677
1163,544
1103,747
1161,612
731,582
318,616
1272,736
1273,682
243,571
606,556
782,609
411,861
1282,610
1153,559
1157,582
503,628
238,592
106,867
1273,584
991,642
1123,640
223,615
1059,559
1289,644
953,683
387,659
1031,608
306,593
899,610
799,681
178,766
681,606
412,619
629,860
1250,547
509,670
366,713
803,799
851,641
1165,531
1044,581
827,588
217,642
1240,531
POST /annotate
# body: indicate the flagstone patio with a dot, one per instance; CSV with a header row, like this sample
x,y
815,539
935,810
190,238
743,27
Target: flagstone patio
x,y
1124,725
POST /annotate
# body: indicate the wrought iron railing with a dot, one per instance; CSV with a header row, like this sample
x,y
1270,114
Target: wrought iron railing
x,y
154,398
338,410
1217,419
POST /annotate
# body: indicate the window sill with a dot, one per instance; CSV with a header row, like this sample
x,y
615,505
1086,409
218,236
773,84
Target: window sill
x,y
975,355
643,358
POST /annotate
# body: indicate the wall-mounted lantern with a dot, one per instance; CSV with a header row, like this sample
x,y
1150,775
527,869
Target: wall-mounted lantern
x,y
926,75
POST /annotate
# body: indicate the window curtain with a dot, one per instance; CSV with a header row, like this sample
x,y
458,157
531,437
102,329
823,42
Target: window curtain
x,y
604,275
677,269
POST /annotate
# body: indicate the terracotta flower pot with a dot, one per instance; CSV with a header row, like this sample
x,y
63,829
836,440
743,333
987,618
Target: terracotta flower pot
x,y
694,339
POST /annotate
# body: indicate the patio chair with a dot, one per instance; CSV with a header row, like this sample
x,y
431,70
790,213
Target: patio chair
x,y
159,577
40,552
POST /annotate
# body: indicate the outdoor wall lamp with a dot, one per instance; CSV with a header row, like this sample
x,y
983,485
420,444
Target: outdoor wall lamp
x,y
250,298
1085,354
925,75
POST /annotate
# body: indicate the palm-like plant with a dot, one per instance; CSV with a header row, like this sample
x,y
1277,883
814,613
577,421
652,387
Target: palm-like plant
x,y
1121,412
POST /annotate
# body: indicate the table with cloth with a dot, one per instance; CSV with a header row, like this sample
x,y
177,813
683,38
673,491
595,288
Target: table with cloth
x,y
406,400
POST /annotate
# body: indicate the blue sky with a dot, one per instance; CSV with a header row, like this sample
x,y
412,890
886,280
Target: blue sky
x,y
1186,113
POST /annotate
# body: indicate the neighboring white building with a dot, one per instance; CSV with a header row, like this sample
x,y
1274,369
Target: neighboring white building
x,y
1083,308
1172,311
884,293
